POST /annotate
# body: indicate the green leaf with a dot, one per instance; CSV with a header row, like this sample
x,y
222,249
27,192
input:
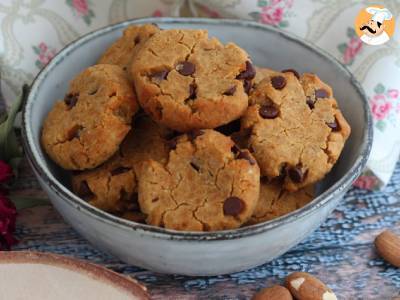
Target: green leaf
x,y
87,20
69,2
342,48
379,89
255,15
39,64
91,13
351,32
36,49
28,202
381,125
9,147
284,24
262,3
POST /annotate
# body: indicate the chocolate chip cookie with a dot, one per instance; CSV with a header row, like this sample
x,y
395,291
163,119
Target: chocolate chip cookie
x,y
123,51
275,202
207,184
113,186
187,81
97,110
295,128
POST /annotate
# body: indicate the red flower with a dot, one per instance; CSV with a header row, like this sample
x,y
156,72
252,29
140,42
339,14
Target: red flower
x,y
81,7
8,215
380,107
157,13
353,48
5,172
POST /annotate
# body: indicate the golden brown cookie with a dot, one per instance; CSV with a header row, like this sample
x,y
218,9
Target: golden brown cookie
x,y
97,110
187,81
113,186
296,130
275,202
207,184
123,51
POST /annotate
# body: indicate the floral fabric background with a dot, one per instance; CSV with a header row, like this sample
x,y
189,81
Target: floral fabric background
x,y
33,31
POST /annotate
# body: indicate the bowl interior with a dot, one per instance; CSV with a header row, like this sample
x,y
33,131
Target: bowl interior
x,y
267,47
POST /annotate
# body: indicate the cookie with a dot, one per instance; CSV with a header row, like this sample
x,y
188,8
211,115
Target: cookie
x,y
295,128
187,81
112,187
207,184
274,201
123,51
97,110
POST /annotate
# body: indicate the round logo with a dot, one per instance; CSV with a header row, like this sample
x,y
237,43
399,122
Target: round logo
x,y
375,25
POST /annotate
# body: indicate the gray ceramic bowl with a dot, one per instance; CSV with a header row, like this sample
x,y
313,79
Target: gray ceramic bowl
x,y
194,253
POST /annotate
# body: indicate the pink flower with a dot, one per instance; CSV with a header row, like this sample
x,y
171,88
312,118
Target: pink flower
x,y
352,49
5,172
380,107
393,93
43,47
157,13
8,215
210,12
81,7
366,182
271,15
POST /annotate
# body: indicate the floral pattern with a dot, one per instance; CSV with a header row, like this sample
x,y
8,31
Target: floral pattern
x,y
384,106
45,54
82,9
273,12
350,48
157,13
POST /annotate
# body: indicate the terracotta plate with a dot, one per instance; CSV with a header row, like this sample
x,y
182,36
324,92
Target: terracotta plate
x,y
34,276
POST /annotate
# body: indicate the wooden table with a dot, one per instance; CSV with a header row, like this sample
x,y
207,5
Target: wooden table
x,y
340,252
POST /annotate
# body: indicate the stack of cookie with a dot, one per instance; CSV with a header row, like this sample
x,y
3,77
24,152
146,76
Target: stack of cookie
x,y
177,130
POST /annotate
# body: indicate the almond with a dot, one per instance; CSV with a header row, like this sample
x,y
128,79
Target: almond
x,y
304,286
276,292
388,246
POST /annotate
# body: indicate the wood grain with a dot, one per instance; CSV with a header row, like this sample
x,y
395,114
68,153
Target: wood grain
x,y
340,253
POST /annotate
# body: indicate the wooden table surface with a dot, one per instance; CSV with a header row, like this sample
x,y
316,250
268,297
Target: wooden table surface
x,y
340,252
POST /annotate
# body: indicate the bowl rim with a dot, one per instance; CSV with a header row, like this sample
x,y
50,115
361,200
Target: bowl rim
x,y
58,188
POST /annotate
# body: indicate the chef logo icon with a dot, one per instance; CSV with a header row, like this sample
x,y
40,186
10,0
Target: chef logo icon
x,y
375,25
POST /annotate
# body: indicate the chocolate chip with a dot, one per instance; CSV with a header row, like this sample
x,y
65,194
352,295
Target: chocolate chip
x,y
278,82
185,68
247,86
159,76
171,144
295,73
119,170
137,39
233,206
229,128
246,155
84,190
194,134
333,125
297,174
321,93
70,100
74,132
268,112
195,167
282,174
310,103
248,73
230,91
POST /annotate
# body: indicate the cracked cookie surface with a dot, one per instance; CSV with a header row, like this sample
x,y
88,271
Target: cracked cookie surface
x,y
97,110
294,126
123,51
187,81
113,186
207,184
275,202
